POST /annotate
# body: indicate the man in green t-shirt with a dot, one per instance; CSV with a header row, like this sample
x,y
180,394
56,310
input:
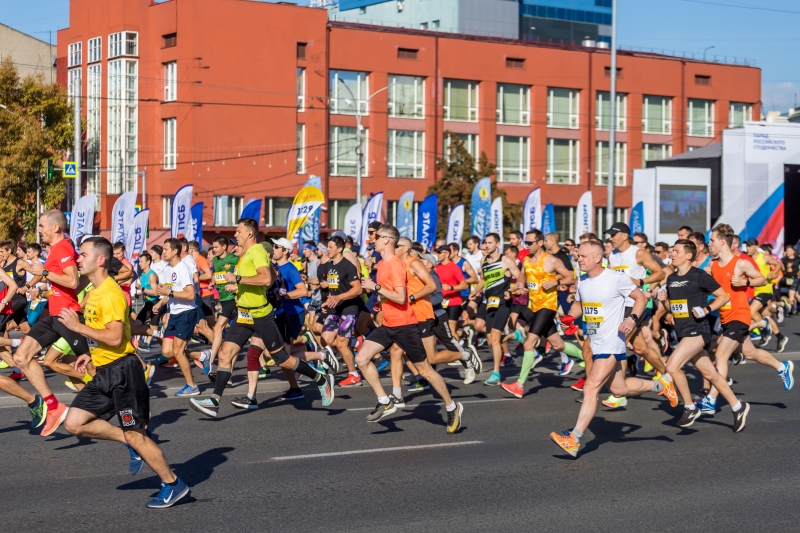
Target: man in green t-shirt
x,y
223,263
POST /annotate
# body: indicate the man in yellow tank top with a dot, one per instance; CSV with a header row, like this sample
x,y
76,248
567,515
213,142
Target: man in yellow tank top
x,y
543,273
760,312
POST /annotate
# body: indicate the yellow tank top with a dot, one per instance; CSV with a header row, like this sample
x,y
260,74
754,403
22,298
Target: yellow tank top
x,y
764,268
535,275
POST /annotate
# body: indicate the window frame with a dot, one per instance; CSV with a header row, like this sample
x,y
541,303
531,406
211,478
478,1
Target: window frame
x,y
621,111
231,212
419,91
646,147
471,138
709,115
166,211
119,43
301,89
417,166
94,50
472,106
525,110
170,81
666,115
170,143
620,163
574,113
572,173
747,111
300,149
74,54
334,158
361,99
524,168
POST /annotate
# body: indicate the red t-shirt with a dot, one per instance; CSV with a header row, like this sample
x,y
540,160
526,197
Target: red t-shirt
x,y
202,264
522,255
451,275
62,255
392,274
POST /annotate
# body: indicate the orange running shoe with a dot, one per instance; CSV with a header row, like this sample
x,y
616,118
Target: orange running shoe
x,y
514,389
350,381
566,441
54,419
669,391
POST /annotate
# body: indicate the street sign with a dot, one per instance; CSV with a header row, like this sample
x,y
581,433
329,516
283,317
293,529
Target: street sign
x,y
70,169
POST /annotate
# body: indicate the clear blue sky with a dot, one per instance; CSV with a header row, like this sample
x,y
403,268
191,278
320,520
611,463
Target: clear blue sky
x,y
763,30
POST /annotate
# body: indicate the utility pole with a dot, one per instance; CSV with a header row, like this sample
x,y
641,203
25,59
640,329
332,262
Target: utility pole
x,y
76,102
613,121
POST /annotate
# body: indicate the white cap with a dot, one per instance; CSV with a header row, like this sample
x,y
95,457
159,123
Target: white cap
x,y
283,242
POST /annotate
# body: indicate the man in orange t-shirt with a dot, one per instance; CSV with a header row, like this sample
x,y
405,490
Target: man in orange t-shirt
x,y
399,327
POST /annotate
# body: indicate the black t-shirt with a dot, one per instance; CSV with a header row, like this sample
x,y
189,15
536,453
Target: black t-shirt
x,y
687,292
790,268
564,257
340,278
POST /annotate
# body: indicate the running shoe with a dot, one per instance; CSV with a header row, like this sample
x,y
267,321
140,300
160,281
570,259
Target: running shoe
x,y
420,385
689,416
469,375
380,363
566,368
454,418
765,340
787,368
245,402
477,364
311,342
381,411
647,367
614,402
519,335
358,343
515,389
740,417
578,385
158,334
169,495
137,463
351,381
780,315
18,376
470,336
538,358
135,342
492,380
54,419
329,359
264,372
782,341
144,347
663,343
398,402
292,395
149,372
170,363
737,358
206,406
326,391
707,406
702,394
161,359
669,391
508,360
566,441
207,361
38,412
3,364
755,335
188,390
71,386
481,342
271,362
730,382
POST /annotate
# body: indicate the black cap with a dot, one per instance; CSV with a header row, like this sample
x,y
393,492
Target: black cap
x,y
442,248
374,225
751,242
618,227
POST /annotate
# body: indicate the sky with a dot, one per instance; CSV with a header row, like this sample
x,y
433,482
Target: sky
x,y
760,30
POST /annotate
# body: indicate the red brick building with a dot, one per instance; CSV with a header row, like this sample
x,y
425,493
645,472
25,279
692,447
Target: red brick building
x,y
247,99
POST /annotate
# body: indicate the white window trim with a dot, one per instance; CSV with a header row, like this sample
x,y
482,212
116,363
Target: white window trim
x,y
300,152
301,95
472,107
118,178
419,107
71,75
475,137
523,170
166,211
122,40
525,112
621,108
646,150
574,110
418,166
170,143
171,81
362,102
748,114
365,145
620,164
666,115
574,150
709,126
227,210
74,54
95,50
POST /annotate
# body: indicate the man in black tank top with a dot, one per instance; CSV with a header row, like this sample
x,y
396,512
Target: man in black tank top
x,y
495,284
19,304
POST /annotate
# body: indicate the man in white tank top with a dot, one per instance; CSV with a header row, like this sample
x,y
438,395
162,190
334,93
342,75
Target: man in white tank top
x,y
634,262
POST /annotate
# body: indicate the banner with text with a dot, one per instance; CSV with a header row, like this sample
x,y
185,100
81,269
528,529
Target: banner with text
x,y
82,217
352,222
532,212
252,209
427,218
481,204
122,217
549,219
308,200
455,225
583,216
197,223
496,219
182,213
405,215
137,236
372,212
637,218
311,230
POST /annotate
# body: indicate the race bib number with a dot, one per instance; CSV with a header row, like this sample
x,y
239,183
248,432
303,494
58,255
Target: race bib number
x,y
593,316
789,281
220,279
493,302
727,306
34,303
244,317
679,308
333,282
620,268
445,303
532,286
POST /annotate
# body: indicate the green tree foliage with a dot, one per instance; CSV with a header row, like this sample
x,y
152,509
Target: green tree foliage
x,y
458,176
35,125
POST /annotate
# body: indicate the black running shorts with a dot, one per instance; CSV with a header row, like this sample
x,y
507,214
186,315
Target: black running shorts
x,y
426,328
406,337
264,328
738,331
228,309
48,330
20,307
445,335
454,312
497,318
764,299
543,324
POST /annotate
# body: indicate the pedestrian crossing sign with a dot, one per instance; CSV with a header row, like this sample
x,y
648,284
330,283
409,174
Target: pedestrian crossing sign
x,y
70,169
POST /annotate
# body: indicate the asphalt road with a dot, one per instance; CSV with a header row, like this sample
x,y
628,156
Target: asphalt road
x,y
300,467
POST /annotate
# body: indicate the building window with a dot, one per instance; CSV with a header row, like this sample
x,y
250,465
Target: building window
x,y
227,210
620,215
738,114
603,111
601,163
74,54
343,151
607,72
122,125
701,118
347,88
95,50
470,141
170,143
515,63
406,96
300,149
565,222
301,89
170,40
74,83
94,82
702,80
171,81
277,211
655,152
435,25
461,100
166,211
423,25
512,158
562,108
406,154
338,211
407,53
657,115
513,104
123,43
301,50
563,161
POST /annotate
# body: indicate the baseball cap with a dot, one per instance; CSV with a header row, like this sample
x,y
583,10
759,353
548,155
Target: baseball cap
x,y
618,227
283,242
374,225
442,248
430,258
339,233
751,242
267,246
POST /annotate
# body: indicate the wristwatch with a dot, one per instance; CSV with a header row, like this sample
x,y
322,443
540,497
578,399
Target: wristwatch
x,y
377,288
412,299
238,279
45,273
171,293
27,285
748,281
635,317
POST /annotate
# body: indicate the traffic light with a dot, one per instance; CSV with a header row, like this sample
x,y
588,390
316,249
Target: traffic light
x,y
49,174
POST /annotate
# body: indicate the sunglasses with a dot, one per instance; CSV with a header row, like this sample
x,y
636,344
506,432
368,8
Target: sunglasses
x,y
530,243
639,242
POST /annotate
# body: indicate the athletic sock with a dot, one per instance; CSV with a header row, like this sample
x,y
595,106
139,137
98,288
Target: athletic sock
x,y
451,407
527,365
52,403
397,392
712,399
573,351
691,407
174,483
465,355
666,377
564,358
251,396
223,375
15,343
305,369
577,434
383,400
737,406
354,373
658,386
34,404
506,355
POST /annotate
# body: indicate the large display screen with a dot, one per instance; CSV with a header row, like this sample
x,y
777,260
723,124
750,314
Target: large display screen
x,y
682,205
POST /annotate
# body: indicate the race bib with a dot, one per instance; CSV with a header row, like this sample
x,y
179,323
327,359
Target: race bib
x,y
727,306
333,282
620,268
445,303
492,302
593,316
532,286
220,279
34,303
789,281
244,317
679,308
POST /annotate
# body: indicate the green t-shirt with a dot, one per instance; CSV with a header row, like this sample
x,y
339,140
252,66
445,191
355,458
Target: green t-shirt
x,y
222,266
251,297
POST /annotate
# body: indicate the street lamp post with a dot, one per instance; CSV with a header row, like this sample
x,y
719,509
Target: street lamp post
x,y
613,122
706,50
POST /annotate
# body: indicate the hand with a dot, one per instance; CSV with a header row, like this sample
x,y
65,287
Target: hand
x,y
34,292
662,295
36,268
549,284
231,287
81,362
230,276
22,290
627,326
520,291
69,318
739,281
571,298
323,284
368,284
163,290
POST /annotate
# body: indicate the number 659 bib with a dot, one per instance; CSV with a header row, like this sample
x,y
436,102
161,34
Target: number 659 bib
x,y
679,308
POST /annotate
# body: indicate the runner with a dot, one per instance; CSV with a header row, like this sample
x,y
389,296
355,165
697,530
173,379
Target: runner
x,y
222,262
119,385
687,290
453,282
760,312
601,298
15,269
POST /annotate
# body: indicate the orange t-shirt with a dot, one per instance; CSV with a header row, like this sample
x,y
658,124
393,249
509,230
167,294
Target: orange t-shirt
x,y
205,286
392,274
738,308
422,308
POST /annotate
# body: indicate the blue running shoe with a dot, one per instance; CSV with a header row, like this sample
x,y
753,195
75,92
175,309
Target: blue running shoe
x,y
292,395
492,380
755,335
326,390
188,390
206,362
161,359
137,463
38,412
169,495
707,406
381,363
787,367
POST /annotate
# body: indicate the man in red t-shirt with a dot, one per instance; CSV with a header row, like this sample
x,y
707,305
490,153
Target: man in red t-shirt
x,y
453,282
61,270
399,327
515,239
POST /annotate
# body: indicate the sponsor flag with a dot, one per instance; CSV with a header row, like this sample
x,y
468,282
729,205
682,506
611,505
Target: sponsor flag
x,y
311,230
372,212
481,204
496,219
252,209
455,225
308,200
549,219
405,215
182,213
637,218
532,212
427,216
122,217
82,217
197,223
137,236
583,222
352,222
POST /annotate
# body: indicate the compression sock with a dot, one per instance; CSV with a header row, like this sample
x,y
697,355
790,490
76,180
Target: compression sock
x,y
52,403
658,386
305,369
577,434
527,365
223,375
397,392
573,351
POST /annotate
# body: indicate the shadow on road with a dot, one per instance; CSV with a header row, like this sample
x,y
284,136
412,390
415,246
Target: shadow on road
x,y
607,431
194,471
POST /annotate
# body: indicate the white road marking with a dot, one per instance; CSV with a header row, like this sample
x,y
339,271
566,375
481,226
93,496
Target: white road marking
x,y
374,450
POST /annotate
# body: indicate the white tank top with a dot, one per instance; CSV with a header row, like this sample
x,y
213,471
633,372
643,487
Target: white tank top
x,y
625,263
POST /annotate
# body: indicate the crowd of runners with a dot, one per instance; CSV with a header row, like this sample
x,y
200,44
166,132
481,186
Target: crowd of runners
x,y
632,313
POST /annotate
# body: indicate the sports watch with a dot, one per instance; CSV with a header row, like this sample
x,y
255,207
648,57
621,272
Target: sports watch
x,y
45,273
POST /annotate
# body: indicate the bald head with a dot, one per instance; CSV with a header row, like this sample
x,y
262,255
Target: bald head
x,y
54,217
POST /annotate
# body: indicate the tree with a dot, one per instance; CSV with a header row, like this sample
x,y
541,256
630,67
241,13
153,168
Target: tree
x,y
35,125
459,174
